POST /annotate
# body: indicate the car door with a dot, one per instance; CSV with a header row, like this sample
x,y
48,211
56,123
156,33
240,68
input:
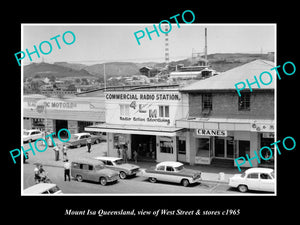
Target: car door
x,y
266,182
160,173
82,140
171,176
90,173
252,181
33,135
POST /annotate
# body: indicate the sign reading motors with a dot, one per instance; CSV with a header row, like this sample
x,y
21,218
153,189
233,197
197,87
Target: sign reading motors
x,y
211,132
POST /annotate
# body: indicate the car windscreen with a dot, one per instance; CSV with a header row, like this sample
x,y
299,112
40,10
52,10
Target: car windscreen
x,y
98,167
118,162
74,137
273,174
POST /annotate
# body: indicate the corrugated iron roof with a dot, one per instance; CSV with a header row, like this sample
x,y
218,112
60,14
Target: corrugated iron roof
x,y
228,79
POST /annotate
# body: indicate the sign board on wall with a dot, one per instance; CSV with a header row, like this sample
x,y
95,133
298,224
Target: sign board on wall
x,y
143,108
56,104
211,132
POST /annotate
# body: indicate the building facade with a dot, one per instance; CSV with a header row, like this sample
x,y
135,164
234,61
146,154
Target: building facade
x,y
203,123
53,114
223,126
144,120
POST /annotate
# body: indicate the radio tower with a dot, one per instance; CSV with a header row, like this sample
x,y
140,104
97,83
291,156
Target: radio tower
x,y
166,47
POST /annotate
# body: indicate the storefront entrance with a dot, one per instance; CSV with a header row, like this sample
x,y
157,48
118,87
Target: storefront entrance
x,y
224,147
145,145
60,124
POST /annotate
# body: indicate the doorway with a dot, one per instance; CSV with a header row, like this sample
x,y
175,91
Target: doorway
x,y
60,124
224,147
145,145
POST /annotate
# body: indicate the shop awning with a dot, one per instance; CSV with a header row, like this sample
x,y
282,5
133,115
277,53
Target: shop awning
x,y
130,129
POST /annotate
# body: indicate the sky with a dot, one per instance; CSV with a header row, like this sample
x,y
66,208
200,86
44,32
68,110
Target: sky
x,y
98,43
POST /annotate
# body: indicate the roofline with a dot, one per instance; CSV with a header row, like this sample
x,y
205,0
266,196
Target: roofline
x,y
228,90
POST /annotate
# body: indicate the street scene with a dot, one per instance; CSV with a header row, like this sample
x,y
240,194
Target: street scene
x,y
191,122
137,185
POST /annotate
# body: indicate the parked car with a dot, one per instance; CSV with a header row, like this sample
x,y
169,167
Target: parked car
x,y
172,172
32,135
79,139
43,188
93,170
115,163
259,179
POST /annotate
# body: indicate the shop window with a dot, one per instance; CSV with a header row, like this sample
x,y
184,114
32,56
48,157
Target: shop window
x,y
244,102
164,111
206,102
244,148
124,109
203,147
166,147
119,140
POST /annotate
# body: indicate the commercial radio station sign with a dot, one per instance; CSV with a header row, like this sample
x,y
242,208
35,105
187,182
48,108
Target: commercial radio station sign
x,y
143,108
143,96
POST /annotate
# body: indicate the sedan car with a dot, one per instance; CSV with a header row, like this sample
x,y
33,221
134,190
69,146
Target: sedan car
x,y
79,139
124,169
259,179
173,172
32,135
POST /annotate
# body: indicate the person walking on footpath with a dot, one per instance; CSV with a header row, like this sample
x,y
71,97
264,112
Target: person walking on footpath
x,y
89,144
135,156
64,151
118,151
125,153
56,153
67,167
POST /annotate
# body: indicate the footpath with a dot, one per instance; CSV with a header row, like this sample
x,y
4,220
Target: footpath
x,y
47,158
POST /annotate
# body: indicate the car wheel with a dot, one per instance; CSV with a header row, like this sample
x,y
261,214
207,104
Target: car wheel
x,y
78,146
185,182
30,140
122,175
79,178
97,141
152,179
243,188
103,181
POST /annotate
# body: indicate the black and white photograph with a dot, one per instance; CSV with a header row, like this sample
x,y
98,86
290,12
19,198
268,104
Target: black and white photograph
x,y
135,125
166,117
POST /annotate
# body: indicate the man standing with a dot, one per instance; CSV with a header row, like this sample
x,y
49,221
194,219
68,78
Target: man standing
x,y
56,152
89,144
67,167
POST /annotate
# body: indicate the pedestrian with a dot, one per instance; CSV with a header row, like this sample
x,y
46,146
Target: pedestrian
x,y
135,156
67,167
89,144
36,174
64,151
56,153
125,148
118,151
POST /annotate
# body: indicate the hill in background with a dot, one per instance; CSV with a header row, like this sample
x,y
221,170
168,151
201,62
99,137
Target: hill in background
x,y
220,62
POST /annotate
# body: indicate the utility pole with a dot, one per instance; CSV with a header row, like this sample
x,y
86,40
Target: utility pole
x,y
104,77
205,46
